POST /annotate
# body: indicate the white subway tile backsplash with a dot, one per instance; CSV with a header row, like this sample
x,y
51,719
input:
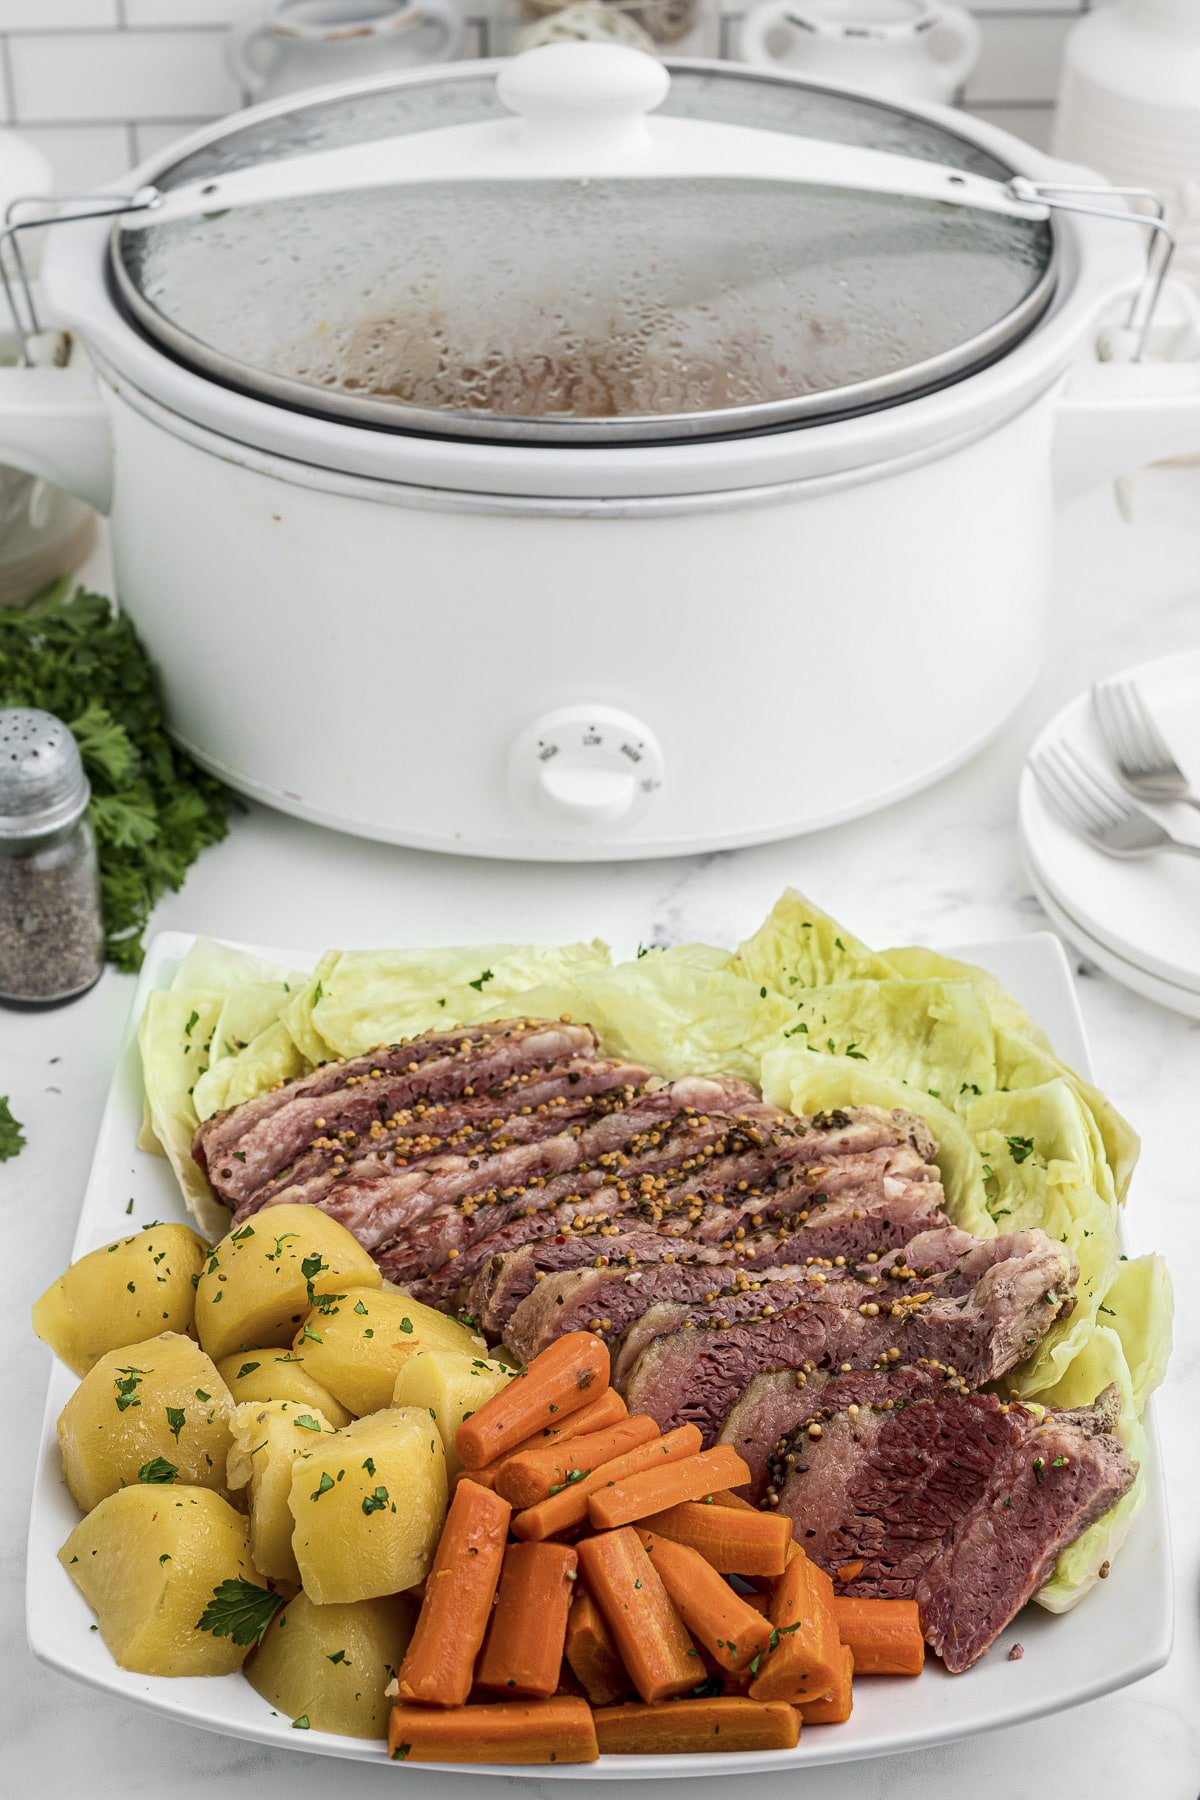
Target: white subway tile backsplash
x,y
121,75
103,82
188,12
58,15
1021,58
81,157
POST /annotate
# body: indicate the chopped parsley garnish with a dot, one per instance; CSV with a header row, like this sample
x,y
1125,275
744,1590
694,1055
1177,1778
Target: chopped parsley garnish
x,y
176,1419
478,985
323,1486
247,1231
1019,1148
158,1472
338,1656
375,1502
127,1382
301,1724
248,1369
240,1610
305,1422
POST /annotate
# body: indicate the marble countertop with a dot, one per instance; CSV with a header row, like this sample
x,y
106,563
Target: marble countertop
x,y
941,868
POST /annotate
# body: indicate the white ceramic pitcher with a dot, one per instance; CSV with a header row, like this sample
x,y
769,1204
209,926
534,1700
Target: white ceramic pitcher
x,y
305,43
910,49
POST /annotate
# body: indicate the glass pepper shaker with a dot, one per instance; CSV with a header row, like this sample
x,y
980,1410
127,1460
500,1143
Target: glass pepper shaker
x,y
51,934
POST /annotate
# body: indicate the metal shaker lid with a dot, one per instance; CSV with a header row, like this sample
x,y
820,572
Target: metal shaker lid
x,y
42,784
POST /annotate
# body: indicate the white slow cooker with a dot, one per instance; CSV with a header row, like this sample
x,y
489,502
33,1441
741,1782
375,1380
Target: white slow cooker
x,y
594,463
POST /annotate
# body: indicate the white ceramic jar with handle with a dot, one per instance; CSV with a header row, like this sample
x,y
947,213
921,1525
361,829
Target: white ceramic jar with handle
x,y
910,49
298,44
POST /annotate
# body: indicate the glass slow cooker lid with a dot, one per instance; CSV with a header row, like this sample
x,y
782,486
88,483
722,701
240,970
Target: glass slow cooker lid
x,y
420,258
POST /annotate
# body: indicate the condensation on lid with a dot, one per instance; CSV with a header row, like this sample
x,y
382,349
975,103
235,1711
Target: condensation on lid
x,y
588,311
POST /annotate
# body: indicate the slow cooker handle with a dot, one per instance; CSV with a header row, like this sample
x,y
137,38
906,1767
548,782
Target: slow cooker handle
x,y
1116,416
53,425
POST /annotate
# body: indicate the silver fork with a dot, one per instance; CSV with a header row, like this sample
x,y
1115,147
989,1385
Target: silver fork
x,y
1136,745
1094,809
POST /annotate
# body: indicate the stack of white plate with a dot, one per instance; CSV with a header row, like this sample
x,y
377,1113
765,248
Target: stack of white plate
x,y
1138,920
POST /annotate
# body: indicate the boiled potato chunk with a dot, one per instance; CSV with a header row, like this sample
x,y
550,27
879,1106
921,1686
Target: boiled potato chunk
x,y
147,1560
261,1280
121,1294
268,1435
368,1505
450,1387
330,1664
356,1347
155,1413
274,1374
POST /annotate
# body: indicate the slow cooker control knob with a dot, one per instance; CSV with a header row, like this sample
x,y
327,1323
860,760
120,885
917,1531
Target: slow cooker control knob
x,y
589,796
585,772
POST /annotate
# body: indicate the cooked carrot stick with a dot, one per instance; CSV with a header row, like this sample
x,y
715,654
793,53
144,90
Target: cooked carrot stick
x,y
735,1543
516,1731
569,1685
523,1650
534,1475
637,1496
835,1707
730,1631
562,1512
459,1591
885,1635
727,1498
597,1415
565,1376
689,1727
649,1634
592,1654
805,1660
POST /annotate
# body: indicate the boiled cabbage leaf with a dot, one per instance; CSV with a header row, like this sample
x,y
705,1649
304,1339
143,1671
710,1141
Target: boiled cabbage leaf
x,y
679,1017
1100,1363
1139,1306
799,946
934,1036
362,998
174,1036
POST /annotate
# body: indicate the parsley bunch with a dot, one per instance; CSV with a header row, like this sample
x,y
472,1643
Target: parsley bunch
x,y
12,1132
152,809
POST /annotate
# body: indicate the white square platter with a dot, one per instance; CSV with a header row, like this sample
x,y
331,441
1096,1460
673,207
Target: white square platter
x,y
1119,1633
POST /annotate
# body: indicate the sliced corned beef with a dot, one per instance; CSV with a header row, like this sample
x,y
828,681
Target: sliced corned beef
x,y
238,1158
696,1375
775,1405
1044,1490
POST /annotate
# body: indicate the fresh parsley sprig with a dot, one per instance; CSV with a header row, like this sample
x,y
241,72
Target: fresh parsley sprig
x,y
240,1610
12,1132
152,808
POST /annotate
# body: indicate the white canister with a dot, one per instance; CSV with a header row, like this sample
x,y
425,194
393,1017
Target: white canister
x,y
300,44
1129,105
907,49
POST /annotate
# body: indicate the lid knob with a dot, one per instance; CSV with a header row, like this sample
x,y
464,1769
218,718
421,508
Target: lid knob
x,y
567,94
